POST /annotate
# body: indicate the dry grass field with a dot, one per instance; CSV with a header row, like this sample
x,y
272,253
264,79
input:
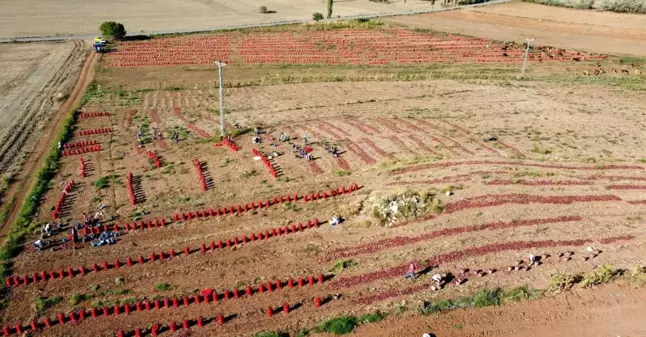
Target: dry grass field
x,y
602,32
83,17
446,159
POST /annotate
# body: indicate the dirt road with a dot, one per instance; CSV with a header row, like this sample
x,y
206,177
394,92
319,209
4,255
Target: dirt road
x,y
611,310
602,32
24,180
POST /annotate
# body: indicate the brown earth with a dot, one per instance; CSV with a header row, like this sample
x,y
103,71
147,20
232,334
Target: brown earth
x,y
592,31
611,310
554,141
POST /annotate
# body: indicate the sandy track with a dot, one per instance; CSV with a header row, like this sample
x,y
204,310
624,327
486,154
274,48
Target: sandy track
x,y
585,30
28,100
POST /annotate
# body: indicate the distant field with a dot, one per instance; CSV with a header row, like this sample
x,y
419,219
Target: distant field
x,y
83,17
603,32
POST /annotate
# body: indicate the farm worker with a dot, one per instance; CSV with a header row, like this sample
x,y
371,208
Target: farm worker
x,y
256,132
39,244
305,139
532,259
48,229
60,144
85,219
335,220
309,156
411,271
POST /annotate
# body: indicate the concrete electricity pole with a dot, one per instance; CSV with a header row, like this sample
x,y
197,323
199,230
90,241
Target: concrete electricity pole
x,y
528,41
220,65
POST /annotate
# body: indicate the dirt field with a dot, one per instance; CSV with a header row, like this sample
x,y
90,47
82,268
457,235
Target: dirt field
x,y
606,311
564,173
35,74
602,32
46,18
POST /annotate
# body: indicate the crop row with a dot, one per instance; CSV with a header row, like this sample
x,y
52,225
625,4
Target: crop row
x,y
154,158
82,171
94,131
161,256
447,179
523,199
207,296
82,150
239,209
351,47
94,114
229,144
627,187
378,149
511,163
79,144
198,131
61,200
399,241
265,161
351,281
422,146
131,191
200,174
538,182
359,152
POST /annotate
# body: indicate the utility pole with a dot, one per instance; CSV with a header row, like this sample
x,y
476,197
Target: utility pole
x,y
220,65
528,41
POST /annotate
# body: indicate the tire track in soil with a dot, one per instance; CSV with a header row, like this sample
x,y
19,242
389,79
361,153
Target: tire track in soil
x,y
39,105
34,162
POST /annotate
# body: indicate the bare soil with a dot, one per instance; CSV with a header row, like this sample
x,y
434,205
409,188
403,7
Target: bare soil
x,y
592,31
612,310
565,173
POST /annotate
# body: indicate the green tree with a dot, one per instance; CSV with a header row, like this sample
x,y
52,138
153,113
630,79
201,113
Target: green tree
x,y
329,8
113,30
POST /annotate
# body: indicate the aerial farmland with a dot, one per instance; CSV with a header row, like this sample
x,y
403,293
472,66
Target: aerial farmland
x,y
347,154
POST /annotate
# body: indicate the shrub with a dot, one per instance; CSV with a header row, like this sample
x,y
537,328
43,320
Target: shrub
x,y
601,275
162,286
560,281
78,298
42,303
263,9
340,325
341,265
113,30
372,317
624,6
119,281
317,16
520,293
271,334
486,297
